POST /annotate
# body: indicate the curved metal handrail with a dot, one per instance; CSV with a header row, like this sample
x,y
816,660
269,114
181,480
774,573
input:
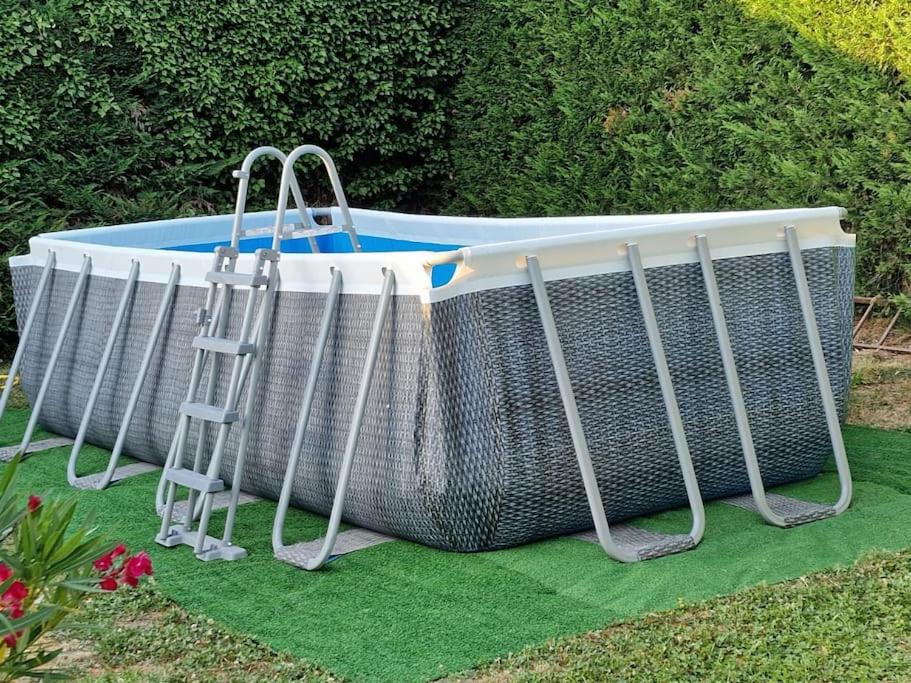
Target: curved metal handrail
x,y
243,174
286,184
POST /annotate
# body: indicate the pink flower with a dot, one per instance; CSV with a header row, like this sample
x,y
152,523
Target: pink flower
x,y
11,638
119,550
103,563
5,572
138,565
108,583
17,592
34,502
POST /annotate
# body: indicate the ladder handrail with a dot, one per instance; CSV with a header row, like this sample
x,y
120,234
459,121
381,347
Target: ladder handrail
x,y
128,288
577,432
46,271
243,175
303,418
287,175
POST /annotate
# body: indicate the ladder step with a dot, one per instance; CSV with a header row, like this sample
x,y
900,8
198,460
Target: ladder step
x,y
222,277
194,480
646,544
203,411
220,501
220,345
794,511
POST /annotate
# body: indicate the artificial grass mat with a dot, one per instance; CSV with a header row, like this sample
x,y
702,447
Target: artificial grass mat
x,y
401,612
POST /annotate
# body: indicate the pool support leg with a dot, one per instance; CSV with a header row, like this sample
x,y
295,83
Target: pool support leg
x,y
625,543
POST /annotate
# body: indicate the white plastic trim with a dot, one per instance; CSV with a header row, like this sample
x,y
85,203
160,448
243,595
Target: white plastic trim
x,y
566,247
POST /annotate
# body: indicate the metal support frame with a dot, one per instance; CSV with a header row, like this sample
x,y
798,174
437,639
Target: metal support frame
x,y
49,264
112,473
624,543
314,554
75,297
778,510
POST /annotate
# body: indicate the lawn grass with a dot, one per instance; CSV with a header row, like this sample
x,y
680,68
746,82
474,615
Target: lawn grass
x,y
245,621
841,625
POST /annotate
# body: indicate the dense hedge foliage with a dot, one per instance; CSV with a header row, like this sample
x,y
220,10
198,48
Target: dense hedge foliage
x,y
628,106
119,110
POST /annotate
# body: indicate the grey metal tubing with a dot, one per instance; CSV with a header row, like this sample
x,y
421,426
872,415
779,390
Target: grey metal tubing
x,y
164,307
580,443
357,418
128,288
288,174
822,372
221,439
303,418
262,328
733,381
49,264
667,391
243,175
55,353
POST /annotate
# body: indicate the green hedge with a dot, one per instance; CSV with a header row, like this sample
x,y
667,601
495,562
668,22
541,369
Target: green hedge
x,y
120,110
629,106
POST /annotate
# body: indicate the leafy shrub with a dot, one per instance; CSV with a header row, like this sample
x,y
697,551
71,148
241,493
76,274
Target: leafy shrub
x,y
124,110
627,106
49,563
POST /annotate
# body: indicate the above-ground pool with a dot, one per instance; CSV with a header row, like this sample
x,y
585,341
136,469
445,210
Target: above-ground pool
x,y
465,443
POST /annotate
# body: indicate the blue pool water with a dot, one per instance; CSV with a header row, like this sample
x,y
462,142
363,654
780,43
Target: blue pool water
x,y
338,243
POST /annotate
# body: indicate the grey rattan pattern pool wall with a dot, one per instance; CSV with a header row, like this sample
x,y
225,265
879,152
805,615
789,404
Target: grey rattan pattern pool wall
x,y
464,444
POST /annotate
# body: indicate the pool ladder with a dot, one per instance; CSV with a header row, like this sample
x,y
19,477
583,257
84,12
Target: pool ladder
x,y
206,488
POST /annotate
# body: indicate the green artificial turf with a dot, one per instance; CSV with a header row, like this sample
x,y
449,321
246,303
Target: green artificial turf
x,y
399,611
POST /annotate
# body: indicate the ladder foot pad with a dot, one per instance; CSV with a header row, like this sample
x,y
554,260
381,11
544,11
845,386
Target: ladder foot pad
x,y
7,453
346,542
92,481
646,544
794,511
212,547
220,501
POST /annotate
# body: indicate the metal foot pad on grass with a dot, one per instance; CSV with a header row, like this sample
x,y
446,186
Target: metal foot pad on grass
x,y
349,541
91,481
212,548
646,544
9,452
793,511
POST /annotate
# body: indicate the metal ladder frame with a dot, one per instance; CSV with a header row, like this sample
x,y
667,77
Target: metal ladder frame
x,y
217,306
112,473
75,297
760,499
258,302
638,544
294,554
